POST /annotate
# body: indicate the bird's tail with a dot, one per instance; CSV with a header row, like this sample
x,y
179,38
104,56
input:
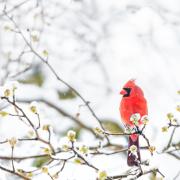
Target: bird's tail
x,y
133,159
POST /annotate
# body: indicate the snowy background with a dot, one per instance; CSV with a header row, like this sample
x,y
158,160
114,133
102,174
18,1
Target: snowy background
x,y
97,46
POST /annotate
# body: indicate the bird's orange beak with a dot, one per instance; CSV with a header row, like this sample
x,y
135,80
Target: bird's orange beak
x,y
123,92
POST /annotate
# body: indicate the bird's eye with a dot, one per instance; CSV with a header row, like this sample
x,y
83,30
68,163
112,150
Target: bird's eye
x,y
128,90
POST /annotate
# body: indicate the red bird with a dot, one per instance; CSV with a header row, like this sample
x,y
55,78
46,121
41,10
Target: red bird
x,y
133,101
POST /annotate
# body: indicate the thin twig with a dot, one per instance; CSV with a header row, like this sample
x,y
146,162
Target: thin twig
x,y
12,155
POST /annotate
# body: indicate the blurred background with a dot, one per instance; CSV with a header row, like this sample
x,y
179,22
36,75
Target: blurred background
x,y
96,46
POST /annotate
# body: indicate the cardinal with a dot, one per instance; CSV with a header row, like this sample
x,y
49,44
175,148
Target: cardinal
x,y
132,102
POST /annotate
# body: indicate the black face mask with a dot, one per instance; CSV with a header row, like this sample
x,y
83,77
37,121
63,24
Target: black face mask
x,y
128,91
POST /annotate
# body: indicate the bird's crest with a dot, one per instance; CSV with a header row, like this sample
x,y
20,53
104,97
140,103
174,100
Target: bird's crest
x,y
130,83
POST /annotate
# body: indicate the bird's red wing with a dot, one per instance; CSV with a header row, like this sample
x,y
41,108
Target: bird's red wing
x,y
140,106
130,106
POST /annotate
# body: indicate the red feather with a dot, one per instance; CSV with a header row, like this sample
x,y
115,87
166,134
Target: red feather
x,y
134,103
